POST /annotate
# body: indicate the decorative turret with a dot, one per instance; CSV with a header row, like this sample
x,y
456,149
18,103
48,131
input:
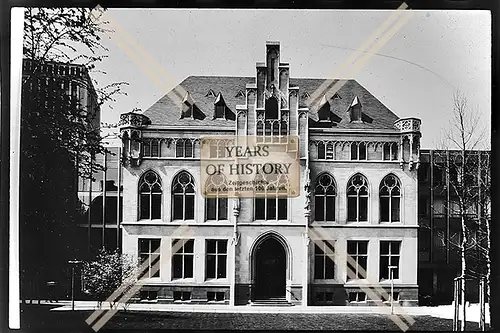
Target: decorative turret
x,y
409,151
131,125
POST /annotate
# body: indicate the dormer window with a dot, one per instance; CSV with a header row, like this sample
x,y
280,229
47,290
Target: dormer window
x,y
324,110
336,96
220,107
240,94
355,110
305,95
219,111
189,108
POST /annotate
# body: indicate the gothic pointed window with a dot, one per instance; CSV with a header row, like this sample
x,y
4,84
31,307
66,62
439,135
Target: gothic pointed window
x,y
272,108
324,198
357,199
216,200
150,194
390,199
183,196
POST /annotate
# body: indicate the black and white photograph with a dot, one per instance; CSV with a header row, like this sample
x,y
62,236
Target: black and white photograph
x,y
250,169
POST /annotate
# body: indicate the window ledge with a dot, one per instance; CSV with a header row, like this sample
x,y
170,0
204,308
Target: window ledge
x,y
356,281
217,281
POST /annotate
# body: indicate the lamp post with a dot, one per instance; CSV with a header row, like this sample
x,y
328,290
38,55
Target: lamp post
x,y
391,272
73,264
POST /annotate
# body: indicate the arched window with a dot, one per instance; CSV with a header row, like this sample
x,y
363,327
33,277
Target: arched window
x,y
272,108
390,151
216,197
354,151
150,192
324,198
183,195
271,199
357,199
390,199
184,148
321,151
358,151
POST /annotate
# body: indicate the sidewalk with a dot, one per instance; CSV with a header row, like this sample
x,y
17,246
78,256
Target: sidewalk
x,y
444,311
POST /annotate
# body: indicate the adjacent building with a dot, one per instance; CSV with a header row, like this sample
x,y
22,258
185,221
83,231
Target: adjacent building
x,y
354,224
440,231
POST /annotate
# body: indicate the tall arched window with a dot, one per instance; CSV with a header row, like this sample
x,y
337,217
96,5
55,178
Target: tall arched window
x,y
324,198
271,197
390,199
150,192
183,195
216,197
357,199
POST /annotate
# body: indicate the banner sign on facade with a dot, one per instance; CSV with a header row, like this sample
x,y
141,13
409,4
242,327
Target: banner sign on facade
x,y
250,166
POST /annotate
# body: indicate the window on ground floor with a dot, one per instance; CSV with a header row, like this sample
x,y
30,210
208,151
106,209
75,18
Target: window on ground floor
x,y
357,259
183,258
216,250
389,258
323,260
149,256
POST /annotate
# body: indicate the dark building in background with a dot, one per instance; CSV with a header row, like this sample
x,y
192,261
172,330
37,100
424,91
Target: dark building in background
x,y
440,228
49,206
105,195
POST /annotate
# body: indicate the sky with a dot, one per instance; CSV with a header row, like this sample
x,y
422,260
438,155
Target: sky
x,y
414,74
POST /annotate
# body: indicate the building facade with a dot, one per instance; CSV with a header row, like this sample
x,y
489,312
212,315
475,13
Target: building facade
x,y
440,224
101,198
352,229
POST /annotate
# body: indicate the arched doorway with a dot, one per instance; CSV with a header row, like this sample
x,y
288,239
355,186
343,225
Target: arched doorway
x,y
270,270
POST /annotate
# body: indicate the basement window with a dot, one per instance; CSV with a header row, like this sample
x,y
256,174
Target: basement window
x,y
357,297
215,296
182,295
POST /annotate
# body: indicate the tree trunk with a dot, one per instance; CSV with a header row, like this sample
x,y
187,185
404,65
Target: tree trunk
x,y
488,268
462,285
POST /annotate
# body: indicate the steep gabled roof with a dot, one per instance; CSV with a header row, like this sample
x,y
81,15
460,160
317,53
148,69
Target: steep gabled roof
x,y
166,112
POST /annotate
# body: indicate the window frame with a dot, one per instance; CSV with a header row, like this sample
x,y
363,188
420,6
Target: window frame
x,y
357,147
325,197
390,196
358,196
219,198
150,193
150,254
325,259
184,194
218,256
181,148
390,255
277,198
183,254
356,256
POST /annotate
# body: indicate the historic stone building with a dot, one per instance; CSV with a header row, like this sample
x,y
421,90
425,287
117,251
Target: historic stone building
x,y
336,243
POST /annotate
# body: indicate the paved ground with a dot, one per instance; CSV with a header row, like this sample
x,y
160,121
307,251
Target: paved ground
x,y
39,318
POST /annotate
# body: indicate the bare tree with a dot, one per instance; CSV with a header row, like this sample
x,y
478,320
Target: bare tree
x,y
465,165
